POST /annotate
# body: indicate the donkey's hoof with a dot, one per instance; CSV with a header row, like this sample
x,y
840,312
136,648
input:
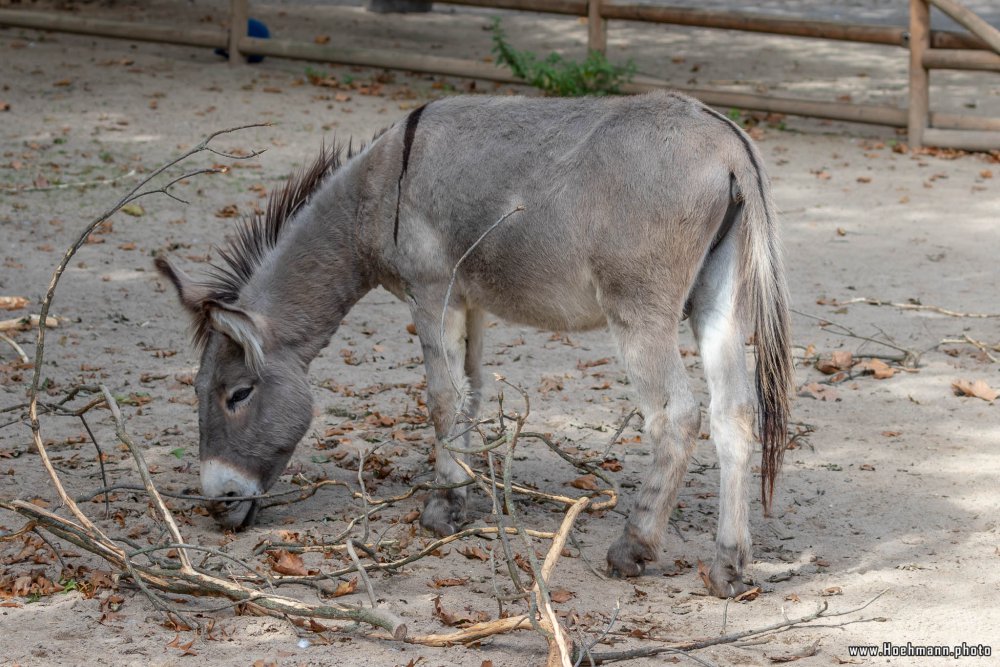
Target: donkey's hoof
x,y
443,515
725,582
628,556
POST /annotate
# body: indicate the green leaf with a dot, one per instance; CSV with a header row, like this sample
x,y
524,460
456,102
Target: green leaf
x,y
134,210
179,452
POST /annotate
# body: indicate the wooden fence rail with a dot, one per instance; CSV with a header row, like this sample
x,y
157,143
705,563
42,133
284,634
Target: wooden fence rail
x,y
977,50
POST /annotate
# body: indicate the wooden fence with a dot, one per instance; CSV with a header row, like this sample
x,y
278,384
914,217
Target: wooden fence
x,y
979,49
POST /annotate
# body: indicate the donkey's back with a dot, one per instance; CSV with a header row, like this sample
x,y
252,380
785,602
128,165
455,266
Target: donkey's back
x,y
610,187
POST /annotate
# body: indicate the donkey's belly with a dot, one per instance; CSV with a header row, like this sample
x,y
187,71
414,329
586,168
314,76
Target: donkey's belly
x,y
554,305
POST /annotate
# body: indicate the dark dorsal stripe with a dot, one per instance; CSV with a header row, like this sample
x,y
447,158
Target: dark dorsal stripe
x,y
408,134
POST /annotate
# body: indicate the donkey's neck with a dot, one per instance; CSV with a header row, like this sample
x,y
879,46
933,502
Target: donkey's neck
x,y
306,284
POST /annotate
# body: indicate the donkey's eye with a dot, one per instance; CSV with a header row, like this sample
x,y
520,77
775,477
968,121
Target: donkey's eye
x,y
238,396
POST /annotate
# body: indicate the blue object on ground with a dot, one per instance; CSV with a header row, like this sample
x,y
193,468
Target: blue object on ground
x,y
255,28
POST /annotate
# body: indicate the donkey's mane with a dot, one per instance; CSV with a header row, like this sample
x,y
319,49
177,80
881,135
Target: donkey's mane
x,y
258,233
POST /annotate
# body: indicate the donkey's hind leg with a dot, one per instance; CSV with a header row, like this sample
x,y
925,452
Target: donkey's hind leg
x,y
451,401
672,421
720,334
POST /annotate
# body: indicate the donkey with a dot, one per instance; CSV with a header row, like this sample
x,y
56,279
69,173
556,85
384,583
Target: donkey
x,y
634,212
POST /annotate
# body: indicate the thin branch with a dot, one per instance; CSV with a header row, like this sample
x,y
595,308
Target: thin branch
x,y
983,347
17,348
916,306
147,480
451,284
64,186
909,357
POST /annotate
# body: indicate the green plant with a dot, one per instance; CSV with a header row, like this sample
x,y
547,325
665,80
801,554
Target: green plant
x,y
559,76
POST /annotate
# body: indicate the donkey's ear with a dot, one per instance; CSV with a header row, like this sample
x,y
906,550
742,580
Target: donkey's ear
x,y
191,294
246,329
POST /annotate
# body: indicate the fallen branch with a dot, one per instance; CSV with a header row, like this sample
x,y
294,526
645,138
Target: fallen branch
x,y
915,306
983,347
822,611
26,322
909,358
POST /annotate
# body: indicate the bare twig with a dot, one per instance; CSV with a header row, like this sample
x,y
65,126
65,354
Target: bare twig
x,y
916,306
909,358
822,611
65,186
451,285
147,480
983,347
361,572
17,348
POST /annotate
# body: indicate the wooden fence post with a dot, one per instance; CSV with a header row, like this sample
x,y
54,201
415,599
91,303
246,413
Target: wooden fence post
x,y
597,28
238,16
919,103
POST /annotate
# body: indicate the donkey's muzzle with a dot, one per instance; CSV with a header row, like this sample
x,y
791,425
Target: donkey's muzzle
x,y
230,491
234,514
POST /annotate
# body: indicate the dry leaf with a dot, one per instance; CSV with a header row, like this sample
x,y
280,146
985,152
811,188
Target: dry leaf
x,y
559,595
612,465
473,552
832,590
228,211
346,588
550,383
458,619
878,368
587,483
452,581
819,392
584,365
841,360
703,573
749,595
322,39
289,563
977,389
135,210
12,302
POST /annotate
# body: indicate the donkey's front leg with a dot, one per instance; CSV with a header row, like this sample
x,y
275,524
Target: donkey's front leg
x,y
451,401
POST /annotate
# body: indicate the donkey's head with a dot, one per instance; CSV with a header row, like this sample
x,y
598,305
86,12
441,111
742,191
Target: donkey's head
x,y
254,403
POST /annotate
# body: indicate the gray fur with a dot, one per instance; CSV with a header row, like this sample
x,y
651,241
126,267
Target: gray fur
x,y
633,208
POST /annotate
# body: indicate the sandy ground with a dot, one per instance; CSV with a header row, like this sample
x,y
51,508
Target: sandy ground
x,y
894,489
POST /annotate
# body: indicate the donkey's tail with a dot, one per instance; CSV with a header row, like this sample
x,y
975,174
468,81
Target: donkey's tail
x,y
763,295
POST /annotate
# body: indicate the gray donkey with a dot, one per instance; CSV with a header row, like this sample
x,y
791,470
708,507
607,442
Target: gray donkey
x,y
637,211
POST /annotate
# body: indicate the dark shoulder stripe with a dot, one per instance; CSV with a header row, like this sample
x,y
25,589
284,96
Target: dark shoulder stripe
x,y
408,134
